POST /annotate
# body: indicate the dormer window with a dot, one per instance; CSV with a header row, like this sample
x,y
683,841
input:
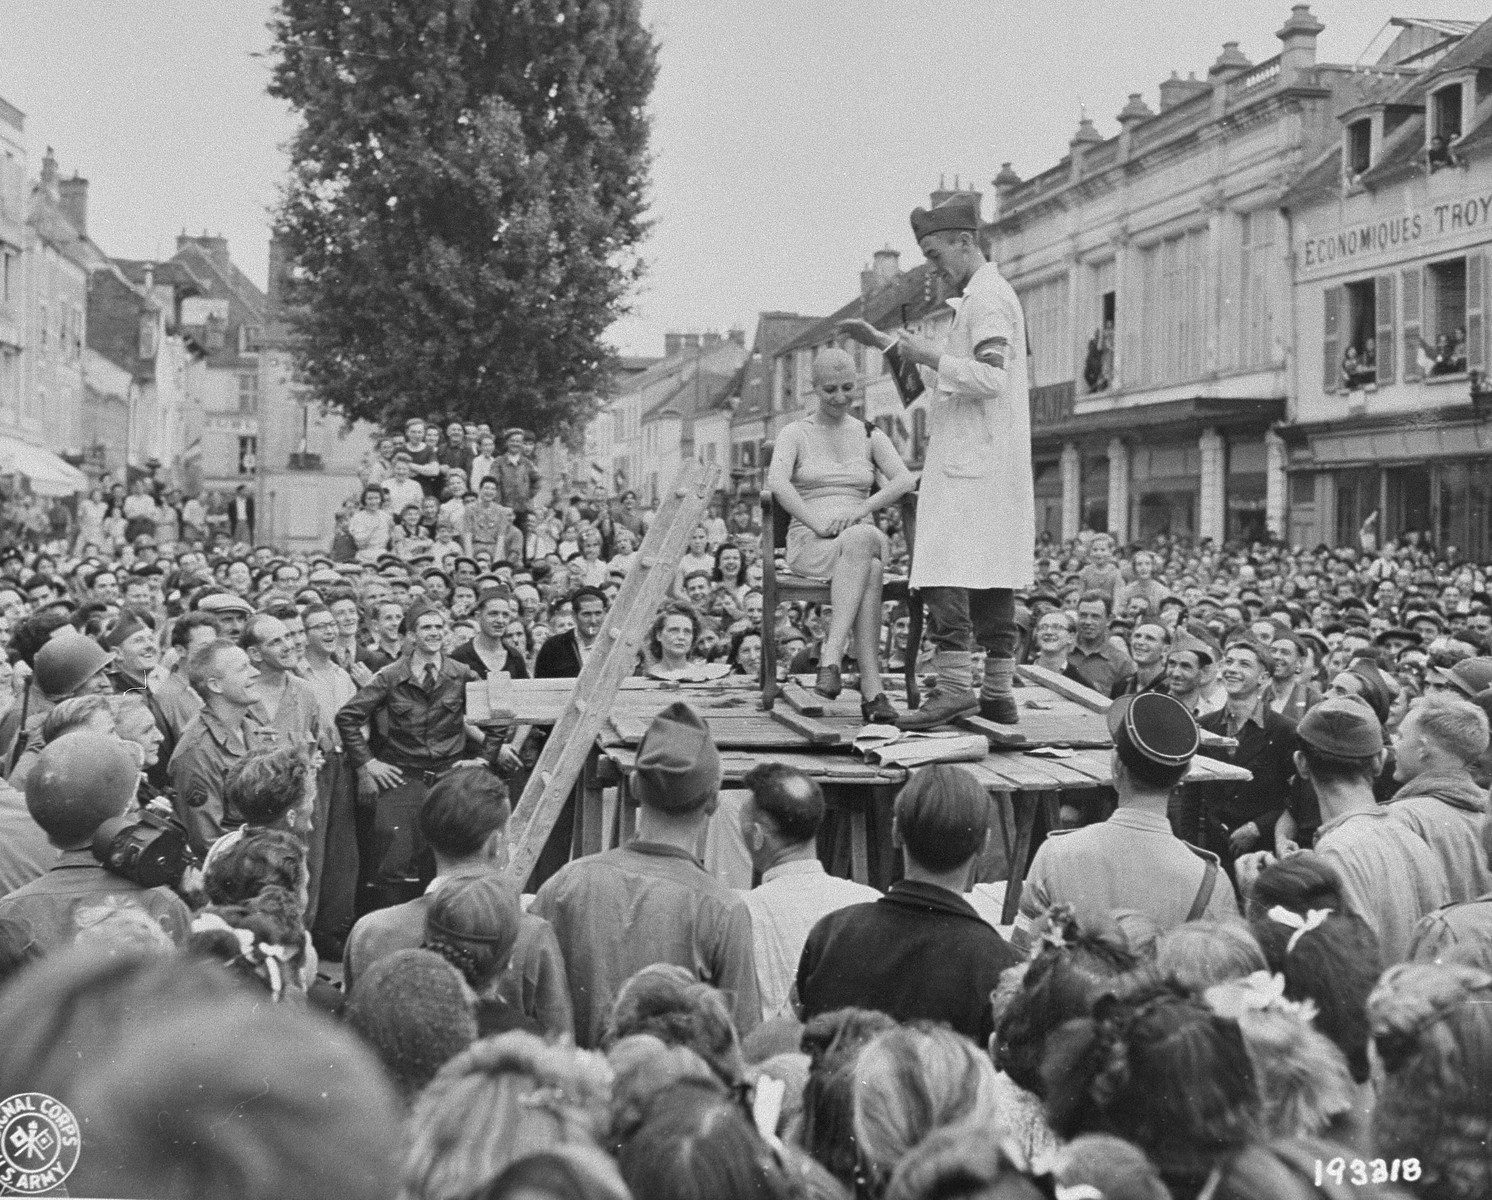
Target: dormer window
x,y
1359,146
1445,114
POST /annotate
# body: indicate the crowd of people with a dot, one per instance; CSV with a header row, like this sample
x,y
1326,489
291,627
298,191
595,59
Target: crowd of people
x,y
236,773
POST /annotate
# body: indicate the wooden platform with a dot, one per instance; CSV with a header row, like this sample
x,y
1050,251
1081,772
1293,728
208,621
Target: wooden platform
x,y
1026,787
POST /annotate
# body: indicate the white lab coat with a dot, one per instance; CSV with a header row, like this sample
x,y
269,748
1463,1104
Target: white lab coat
x,y
976,510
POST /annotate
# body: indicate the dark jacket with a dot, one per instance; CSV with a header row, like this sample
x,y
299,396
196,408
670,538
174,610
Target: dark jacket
x,y
426,731
558,658
919,952
1269,755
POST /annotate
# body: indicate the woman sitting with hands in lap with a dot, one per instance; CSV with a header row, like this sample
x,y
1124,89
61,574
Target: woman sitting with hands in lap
x,y
823,475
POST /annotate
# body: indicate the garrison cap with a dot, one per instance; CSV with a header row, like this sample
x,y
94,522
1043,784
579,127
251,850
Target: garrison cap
x,y
958,213
1154,728
1345,726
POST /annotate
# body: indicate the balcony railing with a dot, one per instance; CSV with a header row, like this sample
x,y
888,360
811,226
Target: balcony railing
x,y
1051,403
1252,80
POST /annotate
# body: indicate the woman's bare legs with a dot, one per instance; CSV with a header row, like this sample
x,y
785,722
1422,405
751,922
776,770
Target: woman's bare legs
x,y
868,632
859,551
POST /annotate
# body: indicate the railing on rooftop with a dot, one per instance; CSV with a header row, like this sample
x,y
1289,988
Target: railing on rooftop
x,y
1261,76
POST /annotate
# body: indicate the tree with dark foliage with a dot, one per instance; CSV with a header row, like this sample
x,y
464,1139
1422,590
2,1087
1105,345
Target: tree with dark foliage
x,y
466,196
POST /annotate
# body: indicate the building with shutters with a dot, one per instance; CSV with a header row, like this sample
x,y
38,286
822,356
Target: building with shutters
x,y
1152,269
1391,233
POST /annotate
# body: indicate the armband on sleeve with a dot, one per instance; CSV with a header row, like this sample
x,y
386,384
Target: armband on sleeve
x,y
993,351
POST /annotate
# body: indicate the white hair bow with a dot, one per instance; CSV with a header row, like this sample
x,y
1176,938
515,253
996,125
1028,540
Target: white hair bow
x,y
1314,919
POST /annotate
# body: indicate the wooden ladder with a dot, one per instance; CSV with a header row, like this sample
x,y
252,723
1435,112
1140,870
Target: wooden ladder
x,y
628,621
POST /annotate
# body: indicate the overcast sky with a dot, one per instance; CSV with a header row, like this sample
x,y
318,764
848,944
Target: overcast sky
x,y
791,137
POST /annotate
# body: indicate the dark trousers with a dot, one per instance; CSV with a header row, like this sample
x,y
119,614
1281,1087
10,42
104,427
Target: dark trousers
x,y
394,863
333,855
961,618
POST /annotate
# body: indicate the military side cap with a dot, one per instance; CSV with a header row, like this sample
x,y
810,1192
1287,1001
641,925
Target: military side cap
x,y
678,766
1187,641
1469,676
961,212
1153,727
1345,726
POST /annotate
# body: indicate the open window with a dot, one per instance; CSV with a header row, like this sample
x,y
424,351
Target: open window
x,y
1359,146
1445,124
1358,334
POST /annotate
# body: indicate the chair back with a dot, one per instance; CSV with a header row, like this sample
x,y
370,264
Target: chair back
x,y
779,519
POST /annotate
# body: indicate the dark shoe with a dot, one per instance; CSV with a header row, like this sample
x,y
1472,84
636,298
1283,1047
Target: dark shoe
x,y
999,709
938,709
829,683
878,711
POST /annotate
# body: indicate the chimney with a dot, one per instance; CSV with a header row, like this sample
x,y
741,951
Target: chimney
x,y
673,343
1298,57
1229,63
215,247
278,266
886,263
691,341
1086,136
710,340
1176,90
74,202
737,335
49,174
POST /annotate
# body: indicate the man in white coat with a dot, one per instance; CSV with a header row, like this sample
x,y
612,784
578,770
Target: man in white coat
x,y
976,511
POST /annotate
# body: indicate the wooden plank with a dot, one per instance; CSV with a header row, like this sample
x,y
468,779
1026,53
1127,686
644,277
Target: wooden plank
x,y
802,701
815,732
588,708
1067,688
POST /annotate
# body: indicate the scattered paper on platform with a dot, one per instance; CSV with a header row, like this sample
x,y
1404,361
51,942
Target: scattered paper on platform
x,y
919,749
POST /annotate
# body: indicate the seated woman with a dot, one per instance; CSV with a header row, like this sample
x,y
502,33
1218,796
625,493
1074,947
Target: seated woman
x,y
823,472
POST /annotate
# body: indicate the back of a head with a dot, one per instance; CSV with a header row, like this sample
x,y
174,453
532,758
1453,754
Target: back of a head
x,y
1159,1070
942,816
1456,726
260,859
563,1173
1287,1170
912,1080
1432,1027
499,1100
472,922
962,1162
266,784
1075,965
1299,882
793,800
62,1018
1333,960
694,1144
1114,1168
239,1100
77,783
462,811
1198,954
80,712
833,1041
667,1002
412,1009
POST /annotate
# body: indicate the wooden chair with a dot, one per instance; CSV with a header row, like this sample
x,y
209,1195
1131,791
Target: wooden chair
x,y
780,586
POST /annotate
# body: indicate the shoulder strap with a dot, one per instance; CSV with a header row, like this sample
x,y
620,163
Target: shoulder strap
x,y
1204,893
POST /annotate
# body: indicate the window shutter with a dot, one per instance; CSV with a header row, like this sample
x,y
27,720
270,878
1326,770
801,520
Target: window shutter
x,y
1331,341
1476,324
1383,303
1411,282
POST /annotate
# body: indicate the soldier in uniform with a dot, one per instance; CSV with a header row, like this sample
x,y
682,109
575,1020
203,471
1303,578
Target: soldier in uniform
x,y
1132,861
976,519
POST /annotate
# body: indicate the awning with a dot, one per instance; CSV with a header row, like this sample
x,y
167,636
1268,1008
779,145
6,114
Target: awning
x,y
47,474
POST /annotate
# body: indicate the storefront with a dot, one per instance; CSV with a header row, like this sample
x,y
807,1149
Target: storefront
x,y
1391,234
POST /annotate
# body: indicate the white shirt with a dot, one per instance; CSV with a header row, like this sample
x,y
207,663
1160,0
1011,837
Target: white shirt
x,y
792,899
